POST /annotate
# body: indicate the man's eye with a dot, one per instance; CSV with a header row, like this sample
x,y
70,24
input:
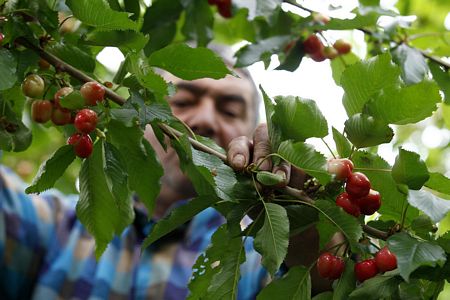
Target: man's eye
x,y
180,103
230,114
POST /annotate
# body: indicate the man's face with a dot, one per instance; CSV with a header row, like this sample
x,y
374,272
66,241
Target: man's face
x,y
219,109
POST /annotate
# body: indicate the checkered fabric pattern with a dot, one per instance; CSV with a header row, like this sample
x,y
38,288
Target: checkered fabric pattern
x,y
47,254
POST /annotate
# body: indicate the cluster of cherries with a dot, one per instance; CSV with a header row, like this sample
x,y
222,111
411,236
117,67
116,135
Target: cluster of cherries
x,y
314,47
223,6
331,266
84,120
358,197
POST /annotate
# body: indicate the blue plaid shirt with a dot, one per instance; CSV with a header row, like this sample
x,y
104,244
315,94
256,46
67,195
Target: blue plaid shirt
x,y
46,253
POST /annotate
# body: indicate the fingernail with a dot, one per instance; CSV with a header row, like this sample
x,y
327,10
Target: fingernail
x,y
282,174
239,161
263,164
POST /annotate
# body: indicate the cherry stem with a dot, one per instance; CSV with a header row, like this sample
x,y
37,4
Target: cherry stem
x,y
169,131
329,149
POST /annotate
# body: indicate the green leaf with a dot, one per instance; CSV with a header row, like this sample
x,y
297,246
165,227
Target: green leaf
x,y
116,172
378,172
14,135
346,284
274,131
147,77
301,217
299,119
364,80
434,207
178,217
234,30
123,39
379,287
291,61
198,22
143,167
338,66
189,63
366,131
103,215
407,105
412,253
332,215
324,296
304,156
73,55
73,101
52,170
273,238
8,67
423,226
409,169
266,8
359,21
442,77
343,146
295,285
252,53
268,178
412,62
439,183
98,14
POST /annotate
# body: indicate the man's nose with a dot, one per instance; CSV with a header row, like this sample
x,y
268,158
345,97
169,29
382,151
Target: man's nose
x,y
203,121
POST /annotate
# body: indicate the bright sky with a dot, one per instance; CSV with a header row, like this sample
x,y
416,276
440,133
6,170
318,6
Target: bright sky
x,y
313,80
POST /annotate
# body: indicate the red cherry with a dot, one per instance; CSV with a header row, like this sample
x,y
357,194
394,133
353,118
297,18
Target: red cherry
x,y
82,144
369,204
318,56
61,93
92,92
224,8
85,120
330,266
312,45
321,18
349,205
60,117
337,269
358,185
2,37
366,269
341,168
33,86
41,111
386,260
342,47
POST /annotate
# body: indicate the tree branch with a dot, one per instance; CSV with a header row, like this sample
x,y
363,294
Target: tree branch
x,y
169,131
369,32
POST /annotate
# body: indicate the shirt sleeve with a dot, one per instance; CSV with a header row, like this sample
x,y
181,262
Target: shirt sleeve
x,y
27,231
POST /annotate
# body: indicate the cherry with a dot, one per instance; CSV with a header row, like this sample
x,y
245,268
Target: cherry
x,y
330,266
366,269
342,46
369,204
41,111
312,45
85,120
82,144
60,117
33,86
224,8
341,168
318,56
358,185
61,93
330,52
92,92
386,260
349,205
2,37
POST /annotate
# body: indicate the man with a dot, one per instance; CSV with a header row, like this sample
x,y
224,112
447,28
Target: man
x,y
47,254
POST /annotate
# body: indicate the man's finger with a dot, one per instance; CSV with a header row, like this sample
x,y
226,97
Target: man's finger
x,y
261,148
238,154
284,170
